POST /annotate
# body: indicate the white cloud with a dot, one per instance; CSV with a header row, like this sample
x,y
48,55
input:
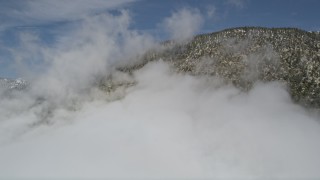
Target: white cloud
x,y
183,24
167,125
71,66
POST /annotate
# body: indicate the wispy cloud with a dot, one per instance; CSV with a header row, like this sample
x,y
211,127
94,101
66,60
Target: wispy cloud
x,y
211,11
183,24
237,3
29,12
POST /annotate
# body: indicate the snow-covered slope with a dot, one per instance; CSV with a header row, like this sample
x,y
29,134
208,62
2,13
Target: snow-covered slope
x,y
13,84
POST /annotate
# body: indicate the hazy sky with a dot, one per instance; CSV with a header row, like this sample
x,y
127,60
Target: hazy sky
x,y
48,19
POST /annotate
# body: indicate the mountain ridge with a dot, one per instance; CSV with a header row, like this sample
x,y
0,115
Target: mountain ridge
x,y
243,56
240,56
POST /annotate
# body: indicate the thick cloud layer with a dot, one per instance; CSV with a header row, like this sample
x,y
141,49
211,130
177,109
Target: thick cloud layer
x,y
165,125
